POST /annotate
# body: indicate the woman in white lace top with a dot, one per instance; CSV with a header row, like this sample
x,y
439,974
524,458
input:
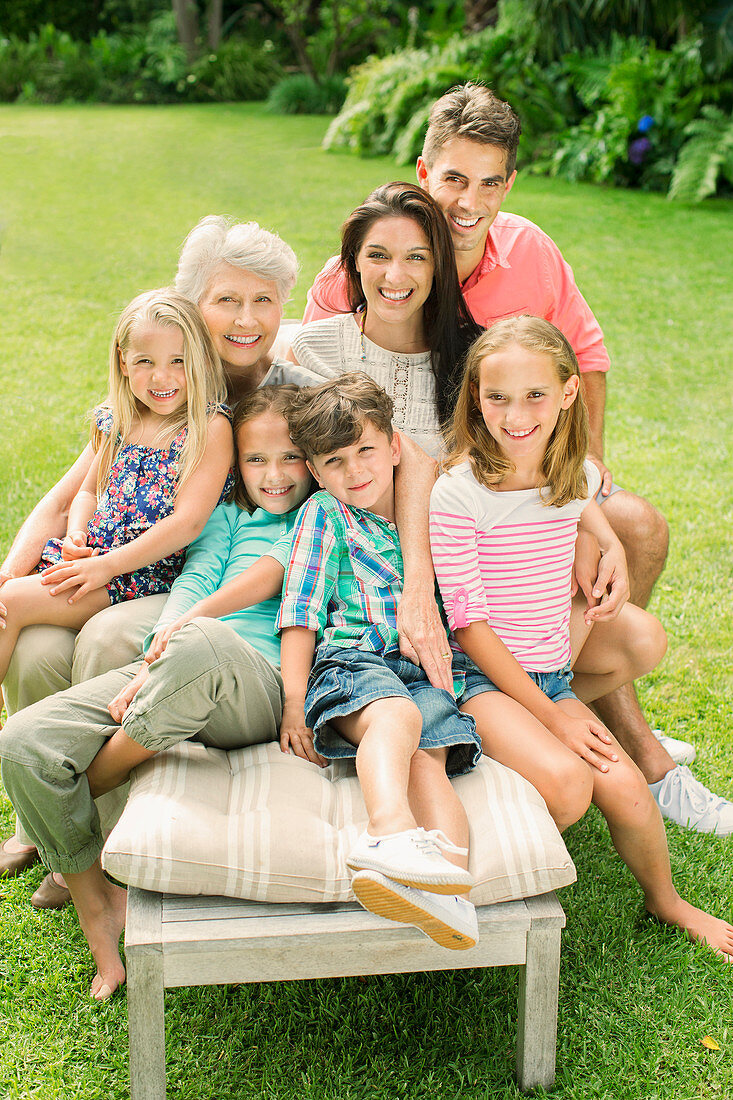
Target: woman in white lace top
x,y
409,327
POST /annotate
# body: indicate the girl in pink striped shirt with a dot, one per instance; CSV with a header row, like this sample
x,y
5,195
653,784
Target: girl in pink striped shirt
x,y
504,518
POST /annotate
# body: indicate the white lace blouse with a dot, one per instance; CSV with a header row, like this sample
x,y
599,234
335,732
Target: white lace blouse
x,y
334,345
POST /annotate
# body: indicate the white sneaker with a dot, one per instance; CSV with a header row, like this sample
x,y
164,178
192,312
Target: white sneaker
x,y
412,858
682,752
450,921
684,800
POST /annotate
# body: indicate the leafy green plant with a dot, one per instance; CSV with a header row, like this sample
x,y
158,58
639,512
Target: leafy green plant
x,y
149,67
236,71
165,58
298,94
636,102
389,98
361,123
705,158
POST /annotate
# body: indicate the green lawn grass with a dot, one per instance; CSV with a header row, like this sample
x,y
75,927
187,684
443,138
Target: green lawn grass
x,y
95,203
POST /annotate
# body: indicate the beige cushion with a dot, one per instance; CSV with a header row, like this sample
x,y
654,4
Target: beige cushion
x,y
255,823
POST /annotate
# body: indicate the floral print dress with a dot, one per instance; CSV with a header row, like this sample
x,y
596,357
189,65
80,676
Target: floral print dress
x,y
141,491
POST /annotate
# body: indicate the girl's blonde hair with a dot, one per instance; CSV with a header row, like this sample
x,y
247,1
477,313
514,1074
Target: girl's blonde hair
x,y
274,399
469,439
205,386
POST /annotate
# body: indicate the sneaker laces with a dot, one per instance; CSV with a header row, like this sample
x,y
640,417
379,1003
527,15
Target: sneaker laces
x,y
432,840
693,792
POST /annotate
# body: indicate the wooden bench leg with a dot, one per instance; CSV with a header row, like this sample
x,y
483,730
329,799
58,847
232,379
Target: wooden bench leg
x,y
145,995
538,994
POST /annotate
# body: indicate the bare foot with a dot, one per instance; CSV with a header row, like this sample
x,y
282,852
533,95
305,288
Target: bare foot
x,y
102,920
701,926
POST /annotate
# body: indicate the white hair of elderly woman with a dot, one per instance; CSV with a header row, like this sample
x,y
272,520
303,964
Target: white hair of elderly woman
x,y
217,240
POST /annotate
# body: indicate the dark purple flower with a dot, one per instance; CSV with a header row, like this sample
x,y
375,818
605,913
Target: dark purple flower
x,y
638,150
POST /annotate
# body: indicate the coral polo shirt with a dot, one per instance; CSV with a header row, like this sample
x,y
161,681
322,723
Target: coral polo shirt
x,y
522,271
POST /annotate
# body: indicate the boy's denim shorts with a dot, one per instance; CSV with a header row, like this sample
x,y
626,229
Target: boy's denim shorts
x,y
343,681
555,685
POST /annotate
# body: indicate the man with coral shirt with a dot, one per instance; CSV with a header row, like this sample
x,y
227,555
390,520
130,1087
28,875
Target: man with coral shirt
x,y
508,266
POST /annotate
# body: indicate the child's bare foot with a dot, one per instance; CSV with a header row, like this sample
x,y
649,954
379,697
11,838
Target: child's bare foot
x,y
101,906
103,936
701,926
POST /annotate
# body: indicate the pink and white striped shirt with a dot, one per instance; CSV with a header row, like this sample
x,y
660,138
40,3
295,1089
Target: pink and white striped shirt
x,y
506,558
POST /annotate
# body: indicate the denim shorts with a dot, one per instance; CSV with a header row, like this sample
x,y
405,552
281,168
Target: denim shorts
x,y
555,685
343,681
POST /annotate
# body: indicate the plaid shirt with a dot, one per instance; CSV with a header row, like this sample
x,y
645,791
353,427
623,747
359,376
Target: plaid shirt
x,y
344,578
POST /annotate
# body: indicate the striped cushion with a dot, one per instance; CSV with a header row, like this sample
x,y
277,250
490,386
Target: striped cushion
x,y
254,823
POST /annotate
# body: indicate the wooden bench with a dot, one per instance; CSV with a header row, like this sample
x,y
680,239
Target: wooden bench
x,y
175,941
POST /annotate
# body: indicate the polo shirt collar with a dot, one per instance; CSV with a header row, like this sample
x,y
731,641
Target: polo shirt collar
x,y
493,257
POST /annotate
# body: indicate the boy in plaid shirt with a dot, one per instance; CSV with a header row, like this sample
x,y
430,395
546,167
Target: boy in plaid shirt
x,y
361,698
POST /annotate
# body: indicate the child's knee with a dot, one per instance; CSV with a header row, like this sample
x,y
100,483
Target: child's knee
x,y
203,644
568,790
396,715
12,597
403,707
407,712
428,762
656,642
625,795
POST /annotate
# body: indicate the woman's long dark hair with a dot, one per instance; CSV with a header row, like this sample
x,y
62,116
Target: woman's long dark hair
x,y
449,327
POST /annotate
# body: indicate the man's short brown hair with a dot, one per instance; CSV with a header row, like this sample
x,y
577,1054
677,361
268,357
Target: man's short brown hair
x,y
324,418
472,111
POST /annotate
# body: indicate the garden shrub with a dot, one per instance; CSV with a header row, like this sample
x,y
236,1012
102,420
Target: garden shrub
x,y
236,71
299,94
361,124
149,67
705,158
619,114
638,102
389,97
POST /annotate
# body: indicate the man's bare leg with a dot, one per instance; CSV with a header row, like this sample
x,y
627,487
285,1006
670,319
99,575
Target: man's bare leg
x,y
645,537
100,906
620,711
644,534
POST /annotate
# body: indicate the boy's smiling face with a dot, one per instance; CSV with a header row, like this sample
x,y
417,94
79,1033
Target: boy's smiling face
x,y
361,475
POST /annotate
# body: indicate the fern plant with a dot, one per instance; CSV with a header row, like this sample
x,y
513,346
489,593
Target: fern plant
x,y
705,157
